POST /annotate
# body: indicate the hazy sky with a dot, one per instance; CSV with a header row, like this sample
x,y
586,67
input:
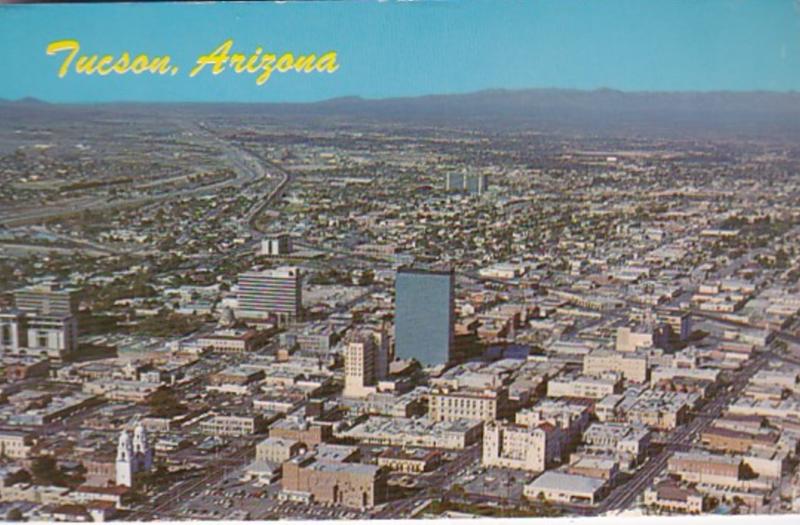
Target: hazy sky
x,y
388,49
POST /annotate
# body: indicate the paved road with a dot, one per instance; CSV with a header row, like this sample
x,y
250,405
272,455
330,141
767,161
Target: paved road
x,y
437,483
168,501
680,439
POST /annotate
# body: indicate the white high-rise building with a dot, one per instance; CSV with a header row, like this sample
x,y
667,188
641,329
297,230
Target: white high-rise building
x,y
34,334
133,456
366,361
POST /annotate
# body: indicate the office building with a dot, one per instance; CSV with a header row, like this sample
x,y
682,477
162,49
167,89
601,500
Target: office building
x,y
47,299
509,445
13,333
274,245
474,404
313,478
702,467
410,461
51,335
15,444
632,365
33,334
575,385
365,363
679,322
425,315
270,293
647,335
234,425
278,450
470,183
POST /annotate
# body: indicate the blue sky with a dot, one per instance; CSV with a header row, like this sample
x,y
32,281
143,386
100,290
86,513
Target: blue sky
x,y
389,49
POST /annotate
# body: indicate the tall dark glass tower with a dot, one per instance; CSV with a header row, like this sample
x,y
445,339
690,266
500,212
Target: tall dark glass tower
x,y
424,315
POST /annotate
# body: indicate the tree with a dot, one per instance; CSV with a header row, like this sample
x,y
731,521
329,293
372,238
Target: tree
x,y
21,476
14,515
163,403
46,472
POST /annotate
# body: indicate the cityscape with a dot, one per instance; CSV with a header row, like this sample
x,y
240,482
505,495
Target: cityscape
x,y
501,304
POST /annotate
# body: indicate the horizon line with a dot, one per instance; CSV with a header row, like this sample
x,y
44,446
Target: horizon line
x,y
34,99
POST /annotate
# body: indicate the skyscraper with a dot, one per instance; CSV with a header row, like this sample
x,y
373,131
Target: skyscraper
x,y
476,184
470,183
278,244
425,315
44,322
366,361
47,299
270,293
359,365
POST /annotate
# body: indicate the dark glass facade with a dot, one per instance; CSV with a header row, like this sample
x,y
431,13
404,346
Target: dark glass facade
x,y
424,315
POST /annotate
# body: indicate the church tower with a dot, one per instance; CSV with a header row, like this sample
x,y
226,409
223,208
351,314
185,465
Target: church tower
x,y
142,452
125,468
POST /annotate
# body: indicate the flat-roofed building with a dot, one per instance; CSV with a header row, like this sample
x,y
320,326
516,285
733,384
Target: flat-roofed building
x,y
702,467
411,461
570,415
48,298
647,335
425,315
270,293
13,332
52,336
15,444
601,468
663,410
353,485
679,322
27,333
576,385
477,404
232,340
520,447
21,368
278,450
562,487
101,469
234,425
618,439
662,373
276,245
735,441
366,361
670,496
632,365
417,432
303,431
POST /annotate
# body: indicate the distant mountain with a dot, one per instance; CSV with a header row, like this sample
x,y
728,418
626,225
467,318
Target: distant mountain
x,y
27,100
602,111
599,112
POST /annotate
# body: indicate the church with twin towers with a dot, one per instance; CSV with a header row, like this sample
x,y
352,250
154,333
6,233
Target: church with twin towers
x,y
134,456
